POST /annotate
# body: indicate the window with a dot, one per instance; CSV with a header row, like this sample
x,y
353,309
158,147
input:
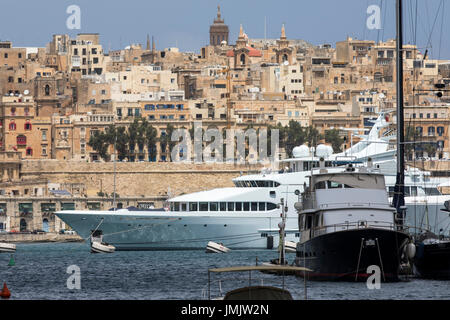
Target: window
x,y
27,126
254,206
21,140
271,206
230,206
193,206
29,152
223,206
213,206
262,206
203,206
12,126
246,206
238,206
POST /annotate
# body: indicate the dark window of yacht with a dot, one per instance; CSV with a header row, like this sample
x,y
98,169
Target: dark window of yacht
x,y
238,206
414,191
176,206
193,206
407,191
262,206
223,206
213,206
254,206
276,184
183,207
260,184
320,185
253,184
271,206
346,186
391,191
246,206
203,206
230,206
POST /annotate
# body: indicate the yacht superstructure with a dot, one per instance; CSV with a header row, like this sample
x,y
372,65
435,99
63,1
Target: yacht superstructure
x,y
247,215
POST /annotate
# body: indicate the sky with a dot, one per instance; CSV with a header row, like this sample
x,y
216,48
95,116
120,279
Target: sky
x,y
185,23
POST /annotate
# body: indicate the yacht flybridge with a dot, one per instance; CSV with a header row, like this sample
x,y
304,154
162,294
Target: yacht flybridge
x,y
247,215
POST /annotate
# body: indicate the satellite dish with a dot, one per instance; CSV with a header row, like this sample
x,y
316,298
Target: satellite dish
x,y
286,63
381,96
26,92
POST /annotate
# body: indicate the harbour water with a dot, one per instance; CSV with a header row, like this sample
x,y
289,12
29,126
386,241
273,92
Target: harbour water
x,y
40,272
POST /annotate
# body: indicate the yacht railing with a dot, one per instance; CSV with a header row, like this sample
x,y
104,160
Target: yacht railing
x,y
361,224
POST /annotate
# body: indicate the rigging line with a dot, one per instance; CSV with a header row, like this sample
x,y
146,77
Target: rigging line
x,y
384,22
415,25
442,24
434,23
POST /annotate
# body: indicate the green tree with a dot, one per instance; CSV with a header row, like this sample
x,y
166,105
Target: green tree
x,y
98,142
312,136
333,137
294,135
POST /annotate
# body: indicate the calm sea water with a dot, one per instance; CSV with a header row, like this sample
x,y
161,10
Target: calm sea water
x,y
41,273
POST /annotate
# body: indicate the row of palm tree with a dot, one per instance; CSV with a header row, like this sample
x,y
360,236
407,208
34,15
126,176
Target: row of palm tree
x,y
142,134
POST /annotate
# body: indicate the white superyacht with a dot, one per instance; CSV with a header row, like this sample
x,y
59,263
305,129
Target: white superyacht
x,y
247,215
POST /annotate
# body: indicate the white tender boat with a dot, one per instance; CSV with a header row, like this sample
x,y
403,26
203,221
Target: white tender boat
x,y
214,247
7,247
290,246
101,247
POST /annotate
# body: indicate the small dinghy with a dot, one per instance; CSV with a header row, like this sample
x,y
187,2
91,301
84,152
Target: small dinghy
x,y
7,247
102,247
214,247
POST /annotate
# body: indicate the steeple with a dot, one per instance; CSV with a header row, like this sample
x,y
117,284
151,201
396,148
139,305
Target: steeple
x,y
153,44
148,42
241,41
283,33
218,31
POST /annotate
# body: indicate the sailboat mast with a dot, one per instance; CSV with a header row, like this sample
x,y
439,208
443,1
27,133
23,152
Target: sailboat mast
x,y
399,195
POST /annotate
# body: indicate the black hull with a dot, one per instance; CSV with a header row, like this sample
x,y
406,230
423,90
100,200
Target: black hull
x,y
432,261
343,256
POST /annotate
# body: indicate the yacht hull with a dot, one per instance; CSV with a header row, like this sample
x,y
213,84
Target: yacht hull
x,y
432,261
166,231
346,255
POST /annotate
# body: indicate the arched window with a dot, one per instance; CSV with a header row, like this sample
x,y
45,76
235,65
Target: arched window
x,y
12,126
440,131
431,131
27,125
285,57
47,90
29,152
242,59
23,225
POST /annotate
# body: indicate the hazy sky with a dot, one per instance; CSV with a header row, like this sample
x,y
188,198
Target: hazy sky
x,y
185,23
